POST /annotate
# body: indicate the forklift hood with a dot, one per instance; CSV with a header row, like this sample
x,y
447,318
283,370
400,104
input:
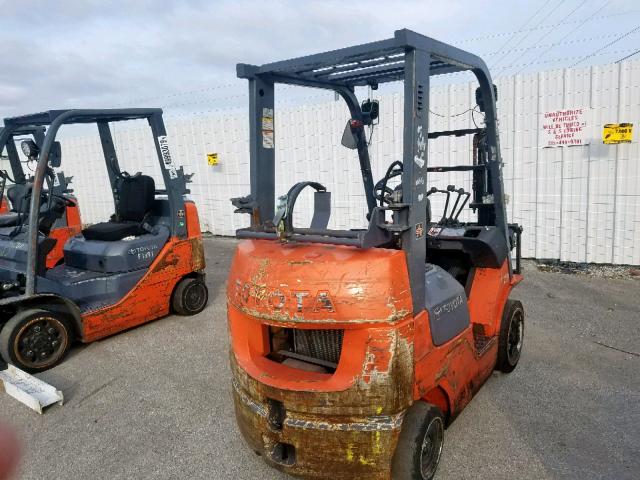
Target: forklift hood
x,y
289,284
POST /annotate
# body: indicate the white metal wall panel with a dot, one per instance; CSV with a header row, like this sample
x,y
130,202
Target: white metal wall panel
x,y
578,203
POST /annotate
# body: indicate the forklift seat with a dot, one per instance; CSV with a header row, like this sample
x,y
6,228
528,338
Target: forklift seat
x,y
136,196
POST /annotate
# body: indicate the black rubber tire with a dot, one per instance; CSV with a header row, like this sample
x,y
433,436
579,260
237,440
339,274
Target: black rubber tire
x,y
421,419
508,353
190,296
54,336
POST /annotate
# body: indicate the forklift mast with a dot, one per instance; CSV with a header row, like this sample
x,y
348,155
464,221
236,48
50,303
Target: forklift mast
x,y
408,57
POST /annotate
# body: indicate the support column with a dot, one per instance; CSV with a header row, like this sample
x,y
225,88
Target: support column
x,y
262,149
414,177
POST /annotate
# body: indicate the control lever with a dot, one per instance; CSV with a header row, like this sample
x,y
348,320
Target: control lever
x,y
448,191
457,207
432,190
467,195
460,193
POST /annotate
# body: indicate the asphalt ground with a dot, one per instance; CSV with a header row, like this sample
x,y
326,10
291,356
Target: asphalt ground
x,y
155,402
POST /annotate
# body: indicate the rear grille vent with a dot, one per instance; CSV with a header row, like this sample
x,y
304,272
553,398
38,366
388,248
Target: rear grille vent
x,y
321,344
320,348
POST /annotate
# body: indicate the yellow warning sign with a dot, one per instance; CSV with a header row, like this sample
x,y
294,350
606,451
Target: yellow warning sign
x,y
614,133
212,158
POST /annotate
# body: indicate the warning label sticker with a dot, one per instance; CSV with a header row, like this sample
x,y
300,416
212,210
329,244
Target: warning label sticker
x,y
267,128
614,133
267,139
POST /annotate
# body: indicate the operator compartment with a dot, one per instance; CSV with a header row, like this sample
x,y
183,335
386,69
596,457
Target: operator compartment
x,y
108,259
486,247
14,238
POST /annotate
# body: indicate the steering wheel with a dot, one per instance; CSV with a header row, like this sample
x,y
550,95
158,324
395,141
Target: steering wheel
x,y
381,191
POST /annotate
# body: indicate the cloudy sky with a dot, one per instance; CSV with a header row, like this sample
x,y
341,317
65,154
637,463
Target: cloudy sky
x,y
181,55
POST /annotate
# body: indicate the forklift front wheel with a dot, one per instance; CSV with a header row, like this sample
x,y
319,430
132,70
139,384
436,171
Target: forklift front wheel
x,y
420,444
34,339
190,296
511,336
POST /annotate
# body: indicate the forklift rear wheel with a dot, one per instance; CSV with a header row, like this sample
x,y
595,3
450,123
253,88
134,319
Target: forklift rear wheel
x,y
190,296
34,340
420,444
511,336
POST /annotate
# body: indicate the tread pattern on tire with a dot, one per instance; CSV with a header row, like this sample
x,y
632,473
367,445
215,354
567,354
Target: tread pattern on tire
x,y
502,363
405,464
177,296
6,334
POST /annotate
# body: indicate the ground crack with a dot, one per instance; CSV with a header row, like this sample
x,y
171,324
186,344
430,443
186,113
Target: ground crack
x,y
617,349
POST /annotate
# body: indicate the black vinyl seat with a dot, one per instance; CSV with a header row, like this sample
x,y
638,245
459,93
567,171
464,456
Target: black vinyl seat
x,y
136,196
112,231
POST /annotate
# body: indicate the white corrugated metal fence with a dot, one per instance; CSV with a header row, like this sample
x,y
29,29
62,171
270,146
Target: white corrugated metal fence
x,y
579,203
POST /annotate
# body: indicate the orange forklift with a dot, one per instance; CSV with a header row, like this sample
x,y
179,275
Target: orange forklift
x,y
352,350
60,219
144,262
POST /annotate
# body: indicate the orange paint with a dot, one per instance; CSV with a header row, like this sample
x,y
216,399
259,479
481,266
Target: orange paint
x,y
307,285
388,359
193,220
150,298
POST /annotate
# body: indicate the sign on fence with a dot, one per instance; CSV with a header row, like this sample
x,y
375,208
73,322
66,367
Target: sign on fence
x,y
564,128
212,158
614,133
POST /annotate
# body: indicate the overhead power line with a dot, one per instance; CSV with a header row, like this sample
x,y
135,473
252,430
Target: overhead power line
x,y
564,59
179,93
522,28
559,42
543,27
555,44
551,12
628,56
624,35
559,23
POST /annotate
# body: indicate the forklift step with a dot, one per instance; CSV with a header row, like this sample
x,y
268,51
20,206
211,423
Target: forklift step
x,y
27,389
